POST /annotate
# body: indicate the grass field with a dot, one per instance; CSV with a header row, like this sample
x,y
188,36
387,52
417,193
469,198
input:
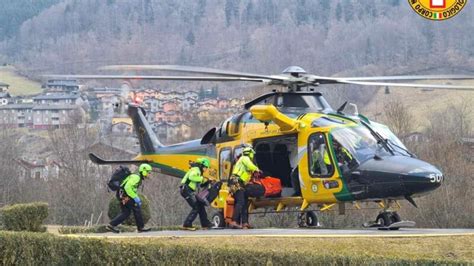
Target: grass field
x,y
422,104
19,85
456,249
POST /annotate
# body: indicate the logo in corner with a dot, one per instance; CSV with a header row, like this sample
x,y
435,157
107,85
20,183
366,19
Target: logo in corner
x,y
437,9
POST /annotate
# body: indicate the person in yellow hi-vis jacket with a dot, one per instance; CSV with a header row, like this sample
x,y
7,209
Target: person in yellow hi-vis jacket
x,y
189,185
241,175
129,200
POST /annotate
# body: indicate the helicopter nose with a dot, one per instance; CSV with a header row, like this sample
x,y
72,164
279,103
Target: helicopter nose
x,y
422,178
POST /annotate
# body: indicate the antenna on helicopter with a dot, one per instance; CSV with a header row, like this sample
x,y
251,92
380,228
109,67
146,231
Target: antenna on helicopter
x,y
356,110
340,109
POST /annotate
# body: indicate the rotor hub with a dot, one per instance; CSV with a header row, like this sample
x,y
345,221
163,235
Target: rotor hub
x,y
295,71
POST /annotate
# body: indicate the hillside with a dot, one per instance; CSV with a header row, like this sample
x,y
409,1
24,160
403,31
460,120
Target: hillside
x,y
19,85
14,13
323,37
422,104
342,37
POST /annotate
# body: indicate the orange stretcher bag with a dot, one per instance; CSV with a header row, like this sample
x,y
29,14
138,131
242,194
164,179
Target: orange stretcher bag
x,y
272,186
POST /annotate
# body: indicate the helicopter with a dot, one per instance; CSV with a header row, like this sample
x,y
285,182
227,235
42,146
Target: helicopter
x,y
292,130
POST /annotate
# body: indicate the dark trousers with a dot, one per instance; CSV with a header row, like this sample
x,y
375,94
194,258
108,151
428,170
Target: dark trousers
x,y
241,207
197,208
126,210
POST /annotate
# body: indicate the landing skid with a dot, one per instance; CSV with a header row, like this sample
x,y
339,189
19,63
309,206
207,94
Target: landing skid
x,y
393,226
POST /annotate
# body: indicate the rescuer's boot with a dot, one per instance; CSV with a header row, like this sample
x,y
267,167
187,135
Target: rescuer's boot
x,y
189,228
247,226
112,228
144,230
235,225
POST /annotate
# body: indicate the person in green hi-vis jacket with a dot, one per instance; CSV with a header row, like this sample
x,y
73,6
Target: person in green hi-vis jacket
x,y
188,188
130,201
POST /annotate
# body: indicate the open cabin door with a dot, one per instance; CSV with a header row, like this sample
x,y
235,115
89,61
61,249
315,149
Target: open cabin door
x,y
324,179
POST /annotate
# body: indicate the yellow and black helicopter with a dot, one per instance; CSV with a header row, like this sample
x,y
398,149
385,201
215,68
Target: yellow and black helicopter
x,y
299,138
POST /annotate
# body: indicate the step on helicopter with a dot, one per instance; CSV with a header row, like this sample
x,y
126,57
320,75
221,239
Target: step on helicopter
x,y
298,138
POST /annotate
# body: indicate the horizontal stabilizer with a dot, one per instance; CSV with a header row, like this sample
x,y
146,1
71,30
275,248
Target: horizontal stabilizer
x,y
95,159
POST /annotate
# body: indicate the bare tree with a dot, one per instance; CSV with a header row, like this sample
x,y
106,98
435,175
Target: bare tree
x,y
444,149
77,193
9,171
398,117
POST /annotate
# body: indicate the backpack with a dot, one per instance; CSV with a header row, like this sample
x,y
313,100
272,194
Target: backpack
x,y
117,177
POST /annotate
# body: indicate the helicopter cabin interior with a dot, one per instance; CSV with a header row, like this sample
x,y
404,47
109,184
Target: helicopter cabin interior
x,y
277,157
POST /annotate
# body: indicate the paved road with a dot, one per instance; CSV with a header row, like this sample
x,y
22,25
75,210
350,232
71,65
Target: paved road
x,y
274,232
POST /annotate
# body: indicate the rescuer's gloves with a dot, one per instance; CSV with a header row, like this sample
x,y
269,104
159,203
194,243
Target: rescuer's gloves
x,y
138,201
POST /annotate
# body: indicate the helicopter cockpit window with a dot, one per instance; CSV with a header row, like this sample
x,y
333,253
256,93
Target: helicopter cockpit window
x,y
225,163
394,142
267,101
320,164
327,121
238,152
311,102
223,129
359,143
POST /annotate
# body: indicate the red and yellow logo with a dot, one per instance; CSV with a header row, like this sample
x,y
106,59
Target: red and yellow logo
x,y
437,9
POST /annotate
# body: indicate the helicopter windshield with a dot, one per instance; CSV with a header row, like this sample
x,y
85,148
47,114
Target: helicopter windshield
x,y
359,142
394,142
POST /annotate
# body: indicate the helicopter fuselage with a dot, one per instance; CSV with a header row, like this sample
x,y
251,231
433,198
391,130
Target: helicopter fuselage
x,y
321,157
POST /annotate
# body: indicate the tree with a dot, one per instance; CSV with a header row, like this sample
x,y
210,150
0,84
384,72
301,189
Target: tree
x,y
10,151
338,12
398,117
444,149
348,11
190,38
78,192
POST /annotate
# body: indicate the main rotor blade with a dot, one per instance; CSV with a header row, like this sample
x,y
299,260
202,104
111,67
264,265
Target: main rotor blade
x,y
195,70
190,78
412,77
413,85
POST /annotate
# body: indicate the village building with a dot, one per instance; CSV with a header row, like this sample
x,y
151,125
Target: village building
x,y
161,130
38,169
205,106
170,106
5,98
222,103
188,104
153,104
184,131
16,115
413,137
203,115
160,116
61,86
192,95
173,117
122,125
55,116
58,98
4,87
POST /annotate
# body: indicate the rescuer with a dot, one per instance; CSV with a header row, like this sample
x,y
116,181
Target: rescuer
x,y
189,185
241,175
130,201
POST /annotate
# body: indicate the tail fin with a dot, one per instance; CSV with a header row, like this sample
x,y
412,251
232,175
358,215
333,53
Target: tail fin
x,y
149,143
